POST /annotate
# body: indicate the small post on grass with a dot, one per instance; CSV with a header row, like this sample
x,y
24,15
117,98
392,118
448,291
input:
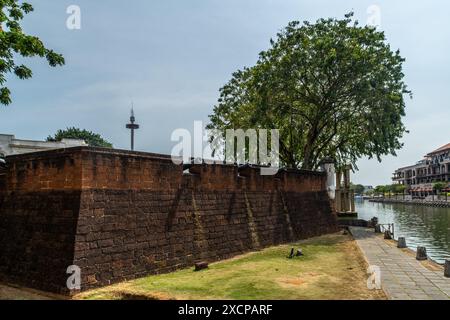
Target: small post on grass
x,y
291,254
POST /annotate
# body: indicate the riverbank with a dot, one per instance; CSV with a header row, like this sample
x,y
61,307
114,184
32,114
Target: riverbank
x,y
332,267
402,276
424,226
437,203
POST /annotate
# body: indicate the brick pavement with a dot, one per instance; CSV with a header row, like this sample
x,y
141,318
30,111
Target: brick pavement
x,y
402,276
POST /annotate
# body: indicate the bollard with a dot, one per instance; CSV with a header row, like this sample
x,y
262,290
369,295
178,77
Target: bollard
x,y
401,243
387,235
421,253
377,228
373,222
447,269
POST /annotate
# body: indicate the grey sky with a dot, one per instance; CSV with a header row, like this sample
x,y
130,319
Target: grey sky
x,y
171,57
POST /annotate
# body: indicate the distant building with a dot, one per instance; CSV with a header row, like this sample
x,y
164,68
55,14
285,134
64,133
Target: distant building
x,y
368,188
9,145
420,177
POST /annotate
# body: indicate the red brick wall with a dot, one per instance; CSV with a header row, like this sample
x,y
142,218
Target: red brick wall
x,y
39,207
120,215
44,171
37,236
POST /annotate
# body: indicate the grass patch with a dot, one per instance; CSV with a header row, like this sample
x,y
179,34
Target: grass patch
x,y
331,268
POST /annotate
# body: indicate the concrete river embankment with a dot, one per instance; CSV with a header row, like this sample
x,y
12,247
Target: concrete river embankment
x,y
421,225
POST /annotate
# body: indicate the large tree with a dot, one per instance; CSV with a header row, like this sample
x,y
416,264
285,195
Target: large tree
x,y
332,88
92,139
358,188
13,42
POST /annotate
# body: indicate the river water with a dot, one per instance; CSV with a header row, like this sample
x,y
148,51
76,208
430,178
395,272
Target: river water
x,y
420,225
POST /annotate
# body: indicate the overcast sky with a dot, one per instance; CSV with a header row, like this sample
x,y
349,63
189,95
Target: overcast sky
x,y
171,57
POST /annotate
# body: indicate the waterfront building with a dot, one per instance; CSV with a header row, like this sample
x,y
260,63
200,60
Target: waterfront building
x,y
420,177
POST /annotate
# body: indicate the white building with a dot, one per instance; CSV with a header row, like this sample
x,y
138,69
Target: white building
x,y
420,177
9,145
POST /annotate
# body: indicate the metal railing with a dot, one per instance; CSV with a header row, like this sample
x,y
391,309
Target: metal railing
x,y
383,227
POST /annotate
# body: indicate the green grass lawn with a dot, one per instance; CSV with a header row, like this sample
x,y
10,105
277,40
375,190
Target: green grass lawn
x,y
331,268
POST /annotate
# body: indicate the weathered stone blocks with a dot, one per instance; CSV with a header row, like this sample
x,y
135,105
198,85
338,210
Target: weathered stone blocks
x,y
120,215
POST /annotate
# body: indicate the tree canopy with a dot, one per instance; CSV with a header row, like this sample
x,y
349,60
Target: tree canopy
x,y
398,188
333,89
92,139
439,186
390,188
13,41
380,189
357,188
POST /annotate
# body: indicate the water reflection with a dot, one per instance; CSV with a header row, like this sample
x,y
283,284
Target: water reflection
x,y
424,226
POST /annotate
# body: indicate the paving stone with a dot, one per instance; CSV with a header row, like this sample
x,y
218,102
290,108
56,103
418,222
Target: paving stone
x,y
420,297
403,278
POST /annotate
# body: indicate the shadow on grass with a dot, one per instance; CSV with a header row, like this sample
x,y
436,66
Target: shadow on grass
x,y
331,268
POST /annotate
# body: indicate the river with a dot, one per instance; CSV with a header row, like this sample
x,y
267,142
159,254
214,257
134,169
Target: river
x,y
420,225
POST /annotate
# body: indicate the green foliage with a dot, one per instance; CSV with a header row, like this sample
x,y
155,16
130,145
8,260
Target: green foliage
x,y
439,186
358,188
332,88
92,139
390,188
380,189
13,41
398,188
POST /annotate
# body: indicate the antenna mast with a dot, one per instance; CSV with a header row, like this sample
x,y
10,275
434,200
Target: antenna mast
x,y
132,126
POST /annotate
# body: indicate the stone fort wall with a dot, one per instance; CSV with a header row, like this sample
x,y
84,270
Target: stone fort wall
x,y
120,215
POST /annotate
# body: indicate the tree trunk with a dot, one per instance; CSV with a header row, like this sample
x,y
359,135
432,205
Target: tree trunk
x,y
308,149
307,157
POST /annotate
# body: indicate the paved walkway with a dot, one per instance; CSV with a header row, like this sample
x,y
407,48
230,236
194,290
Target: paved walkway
x,y
402,276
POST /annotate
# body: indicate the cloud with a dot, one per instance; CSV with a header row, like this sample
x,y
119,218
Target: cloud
x,y
171,57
